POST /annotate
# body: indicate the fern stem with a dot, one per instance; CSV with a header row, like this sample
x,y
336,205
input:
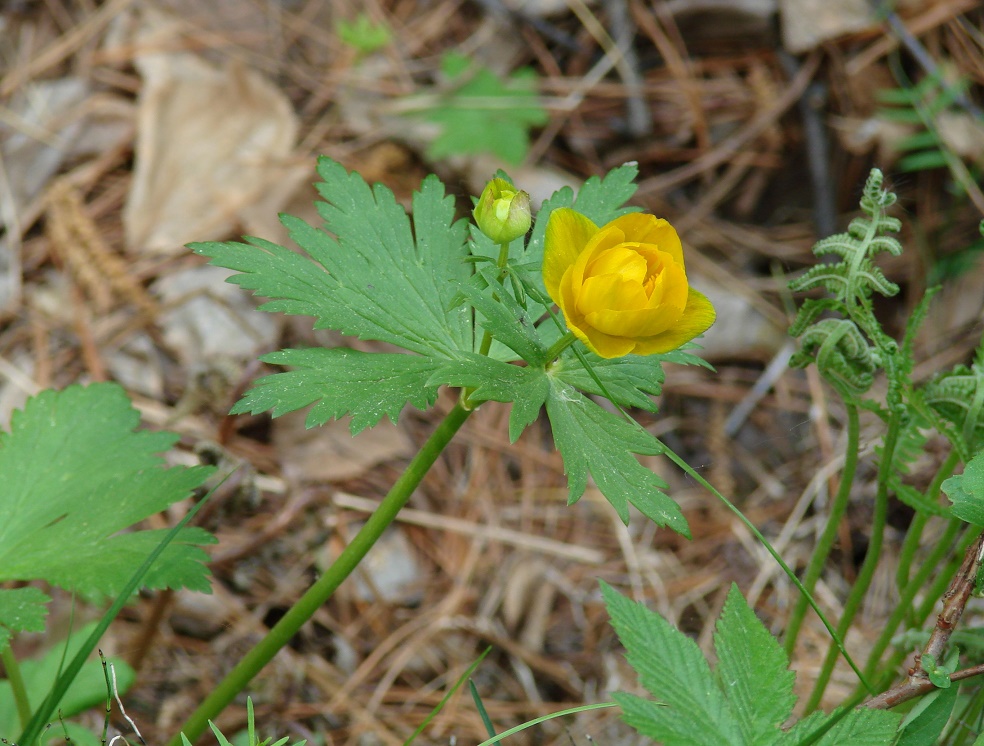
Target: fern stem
x,y
867,571
908,594
913,536
16,679
835,636
826,542
315,597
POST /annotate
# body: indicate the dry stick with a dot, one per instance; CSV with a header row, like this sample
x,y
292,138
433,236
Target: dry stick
x,y
727,149
59,50
954,602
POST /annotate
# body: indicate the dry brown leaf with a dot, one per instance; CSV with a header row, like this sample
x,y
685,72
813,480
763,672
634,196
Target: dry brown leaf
x,y
212,144
330,453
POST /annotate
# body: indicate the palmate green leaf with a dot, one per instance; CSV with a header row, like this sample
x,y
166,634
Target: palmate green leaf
x,y
485,114
752,672
21,610
596,442
630,380
343,381
745,701
690,709
76,475
368,277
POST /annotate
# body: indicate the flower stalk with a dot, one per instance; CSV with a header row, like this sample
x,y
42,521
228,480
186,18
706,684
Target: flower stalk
x,y
306,606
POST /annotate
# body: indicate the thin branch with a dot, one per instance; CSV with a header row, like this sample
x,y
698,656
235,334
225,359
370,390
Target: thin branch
x,y
954,602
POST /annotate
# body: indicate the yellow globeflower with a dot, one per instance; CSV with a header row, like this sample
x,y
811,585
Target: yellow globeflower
x,y
622,287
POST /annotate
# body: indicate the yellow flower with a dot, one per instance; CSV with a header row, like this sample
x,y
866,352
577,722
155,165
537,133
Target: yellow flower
x,y
622,287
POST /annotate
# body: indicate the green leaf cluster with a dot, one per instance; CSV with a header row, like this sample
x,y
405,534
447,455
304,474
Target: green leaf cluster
x,y
77,477
746,699
483,113
430,287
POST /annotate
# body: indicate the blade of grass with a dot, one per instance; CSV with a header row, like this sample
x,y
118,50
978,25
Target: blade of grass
x,y
446,697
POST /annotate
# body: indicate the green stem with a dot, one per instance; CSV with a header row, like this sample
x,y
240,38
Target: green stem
x,y
913,537
305,607
826,542
907,595
12,668
867,571
836,637
501,264
560,345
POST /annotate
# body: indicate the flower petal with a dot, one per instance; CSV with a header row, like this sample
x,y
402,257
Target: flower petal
x,y
601,344
610,292
637,324
670,286
567,234
697,319
622,261
644,228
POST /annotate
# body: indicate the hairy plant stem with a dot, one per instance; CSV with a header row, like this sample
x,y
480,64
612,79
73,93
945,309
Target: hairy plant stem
x,y
835,636
867,571
305,607
826,542
17,688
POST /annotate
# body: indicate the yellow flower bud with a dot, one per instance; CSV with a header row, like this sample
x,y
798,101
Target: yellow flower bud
x,y
503,212
623,287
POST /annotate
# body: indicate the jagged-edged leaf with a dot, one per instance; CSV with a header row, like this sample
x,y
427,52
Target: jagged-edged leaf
x,y
77,475
485,113
598,443
690,708
365,275
340,381
630,380
966,491
494,380
503,316
752,671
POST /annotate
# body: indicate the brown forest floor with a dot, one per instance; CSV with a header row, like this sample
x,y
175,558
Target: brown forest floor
x,y
752,142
